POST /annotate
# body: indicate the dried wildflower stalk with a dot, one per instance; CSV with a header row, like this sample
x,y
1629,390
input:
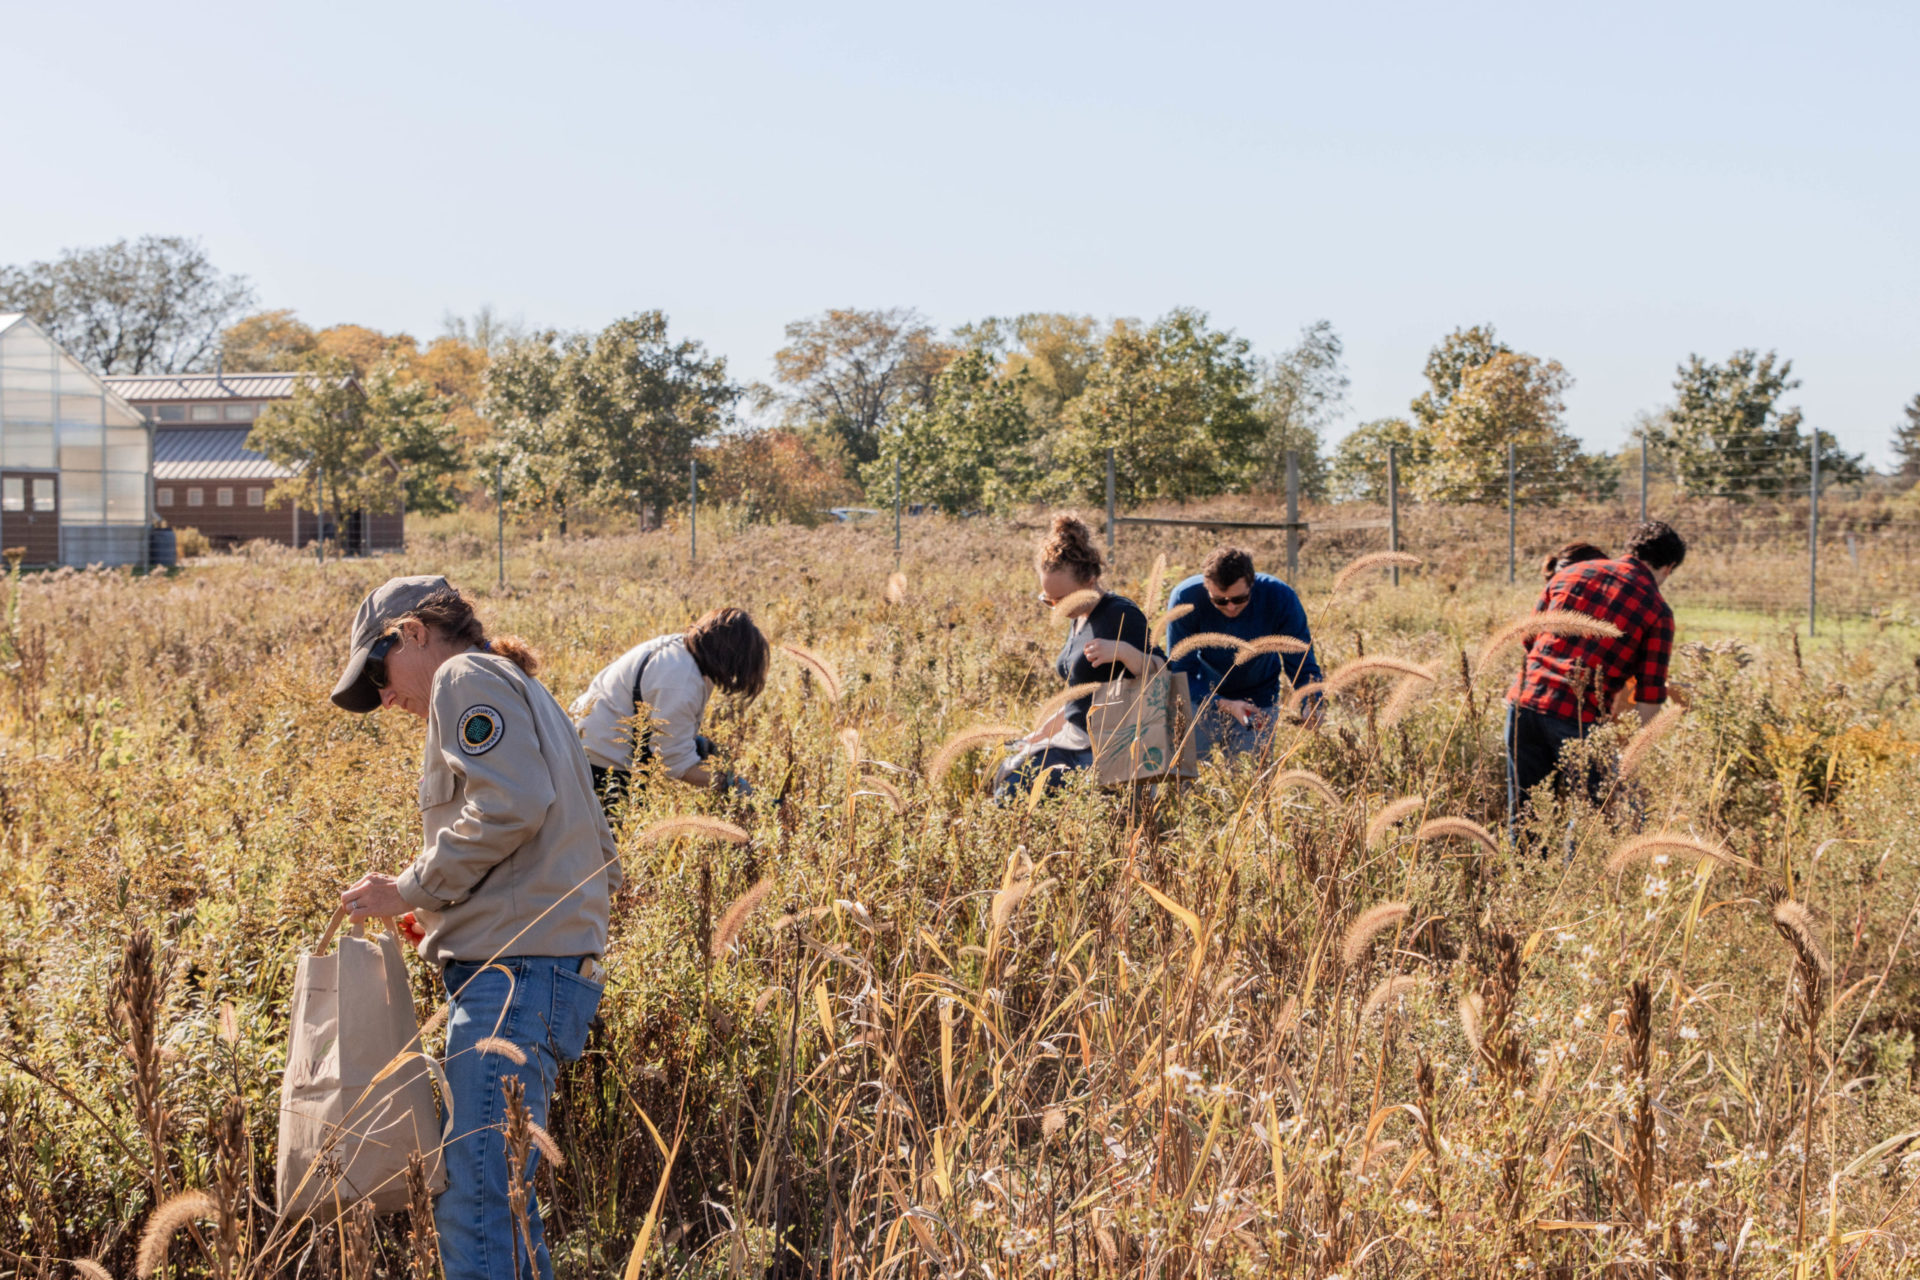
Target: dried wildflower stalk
x,y
1374,560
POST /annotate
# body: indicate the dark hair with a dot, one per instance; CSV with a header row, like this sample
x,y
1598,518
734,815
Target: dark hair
x,y
1228,565
1572,553
1656,545
447,614
1070,546
730,651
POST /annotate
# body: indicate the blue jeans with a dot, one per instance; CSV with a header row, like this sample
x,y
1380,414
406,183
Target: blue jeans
x,y
1055,762
1215,730
543,1005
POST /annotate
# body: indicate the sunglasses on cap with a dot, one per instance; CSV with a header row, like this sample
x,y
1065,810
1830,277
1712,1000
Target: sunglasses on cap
x,y
376,668
1228,602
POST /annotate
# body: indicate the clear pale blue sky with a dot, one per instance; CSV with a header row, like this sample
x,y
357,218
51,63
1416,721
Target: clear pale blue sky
x,y
1612,186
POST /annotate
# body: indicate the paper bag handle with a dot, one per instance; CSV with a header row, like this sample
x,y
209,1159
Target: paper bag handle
x,y
339,918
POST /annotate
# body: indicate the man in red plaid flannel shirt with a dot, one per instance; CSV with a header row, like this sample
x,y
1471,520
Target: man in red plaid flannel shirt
x,y
1571,681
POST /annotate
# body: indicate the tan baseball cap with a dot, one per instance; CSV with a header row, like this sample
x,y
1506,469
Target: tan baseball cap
x,y
385,605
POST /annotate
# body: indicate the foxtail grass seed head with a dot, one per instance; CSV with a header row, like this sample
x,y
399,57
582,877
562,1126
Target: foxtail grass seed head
x,y
1305,780
162,1224
1077,603
735,917
967,740
502,1047
1160,621
1360,668
229,1023
1458,828
1647,736
1204,640
1015,885
886,791
1391,814
896,588
1156,580
1668,844
698,826
1559,622
1305,691
1386,992
1072,693
822,669
1797,924
1375,560
1405,694
543,1143
1472,1014
1052,1121
850,743
89,1269
1369,925
1272,644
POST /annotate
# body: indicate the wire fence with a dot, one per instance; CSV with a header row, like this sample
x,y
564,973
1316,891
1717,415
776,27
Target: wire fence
x,y
1783,544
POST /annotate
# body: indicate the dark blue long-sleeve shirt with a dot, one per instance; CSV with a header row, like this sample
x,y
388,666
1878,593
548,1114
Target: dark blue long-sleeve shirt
x,y
1274,610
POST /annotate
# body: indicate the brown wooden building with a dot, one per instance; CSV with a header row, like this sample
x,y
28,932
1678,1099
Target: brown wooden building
x,y
206,478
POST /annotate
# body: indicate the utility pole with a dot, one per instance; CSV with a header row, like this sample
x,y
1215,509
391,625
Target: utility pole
x,y
500,517
896,513
1643,479
693,512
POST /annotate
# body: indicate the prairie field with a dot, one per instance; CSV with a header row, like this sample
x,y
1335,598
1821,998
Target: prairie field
x,y
1269,1023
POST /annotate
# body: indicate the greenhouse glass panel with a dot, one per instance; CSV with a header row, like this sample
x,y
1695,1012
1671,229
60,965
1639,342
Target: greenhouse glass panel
x,y
82,449
25,404
126,450
83,498
126,498
24,348
26,446
121,414
83,409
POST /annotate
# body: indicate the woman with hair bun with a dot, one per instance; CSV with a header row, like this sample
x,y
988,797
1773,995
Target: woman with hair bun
x,y
511,890
1108,641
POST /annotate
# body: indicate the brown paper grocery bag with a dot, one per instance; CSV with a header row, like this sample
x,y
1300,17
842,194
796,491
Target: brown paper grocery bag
x,y
357,1098
1143,729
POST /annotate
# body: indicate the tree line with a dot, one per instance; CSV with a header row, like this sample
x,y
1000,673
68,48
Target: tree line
x,y
989,416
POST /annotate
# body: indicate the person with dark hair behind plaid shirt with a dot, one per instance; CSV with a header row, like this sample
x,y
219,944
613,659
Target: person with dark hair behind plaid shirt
x,y
1570,681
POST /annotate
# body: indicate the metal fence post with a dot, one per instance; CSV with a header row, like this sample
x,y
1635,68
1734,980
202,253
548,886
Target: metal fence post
x,y
1293,515
1813,534
1643,479
693,512
1510,539
1393,505
320,514
1109,505
500,517
896,513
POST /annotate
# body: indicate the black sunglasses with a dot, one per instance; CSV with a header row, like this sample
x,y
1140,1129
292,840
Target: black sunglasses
x,y
1223,602
376,668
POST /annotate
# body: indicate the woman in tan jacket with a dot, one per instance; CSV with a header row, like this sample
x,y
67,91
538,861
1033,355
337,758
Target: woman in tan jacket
x,y
511,889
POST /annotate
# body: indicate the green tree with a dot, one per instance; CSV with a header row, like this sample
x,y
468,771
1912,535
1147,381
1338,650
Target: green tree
x,y
323,431
412,421
608,419
1906,443
1299,393
1359,468
1727,433
1447,367
153,305
970,449
845,370
1175,403
1509,399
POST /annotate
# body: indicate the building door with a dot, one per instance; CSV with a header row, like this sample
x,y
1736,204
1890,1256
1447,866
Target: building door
x,y
30,516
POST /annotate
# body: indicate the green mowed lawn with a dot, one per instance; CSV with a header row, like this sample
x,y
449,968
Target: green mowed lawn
x,y
1761,626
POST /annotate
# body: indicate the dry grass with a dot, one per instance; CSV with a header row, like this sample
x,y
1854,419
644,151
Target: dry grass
x,y
1106,1033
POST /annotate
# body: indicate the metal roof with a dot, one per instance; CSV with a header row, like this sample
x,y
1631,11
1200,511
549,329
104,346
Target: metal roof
x,y
143,387
210,453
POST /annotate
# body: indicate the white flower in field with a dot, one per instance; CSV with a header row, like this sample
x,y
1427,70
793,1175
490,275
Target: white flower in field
x,y
1417,1209
1561,938
1656,887
1686,1226
1689,1033
1582,1017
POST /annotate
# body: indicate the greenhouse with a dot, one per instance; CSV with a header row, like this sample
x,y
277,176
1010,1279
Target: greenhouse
x,y
76,460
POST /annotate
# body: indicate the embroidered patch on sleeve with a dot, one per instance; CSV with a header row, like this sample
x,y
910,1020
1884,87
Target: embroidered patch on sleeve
x,y
480,730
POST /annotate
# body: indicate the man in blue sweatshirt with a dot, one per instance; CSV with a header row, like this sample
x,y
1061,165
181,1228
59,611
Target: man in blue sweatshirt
x,y
1235,703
